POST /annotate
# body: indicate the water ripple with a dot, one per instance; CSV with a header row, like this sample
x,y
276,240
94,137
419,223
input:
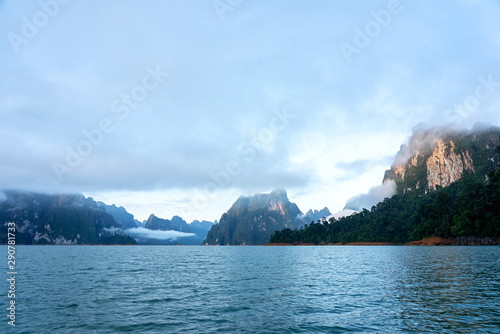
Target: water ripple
x,y
69,289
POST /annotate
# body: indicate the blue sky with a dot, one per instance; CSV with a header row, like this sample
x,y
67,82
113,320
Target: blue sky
x,y
179,107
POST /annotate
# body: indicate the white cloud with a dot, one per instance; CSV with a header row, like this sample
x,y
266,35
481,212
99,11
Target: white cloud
x,y
225,80
155,234
375,195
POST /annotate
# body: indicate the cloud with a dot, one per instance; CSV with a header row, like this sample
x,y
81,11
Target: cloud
x,y
375,195
155,234
225,81
424,137
113,229
352,169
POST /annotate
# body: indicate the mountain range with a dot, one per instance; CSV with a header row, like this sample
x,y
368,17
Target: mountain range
x,y
58,219
73,219
194,233
252,219
444,185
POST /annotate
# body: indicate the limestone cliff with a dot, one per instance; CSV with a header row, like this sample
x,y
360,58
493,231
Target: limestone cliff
x,y
252,219
438,157
444,166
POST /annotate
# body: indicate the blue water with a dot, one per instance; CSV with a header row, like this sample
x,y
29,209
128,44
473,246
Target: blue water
x,y
161,289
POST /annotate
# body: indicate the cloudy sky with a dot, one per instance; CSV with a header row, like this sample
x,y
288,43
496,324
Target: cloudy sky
x,y
179,107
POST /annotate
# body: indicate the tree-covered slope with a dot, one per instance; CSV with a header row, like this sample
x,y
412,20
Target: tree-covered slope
x,y
467,208
57,219
120,214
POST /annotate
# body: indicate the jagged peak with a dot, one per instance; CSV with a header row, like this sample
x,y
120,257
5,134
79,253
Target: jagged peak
x,y
151,217
279,191
279,194
252,219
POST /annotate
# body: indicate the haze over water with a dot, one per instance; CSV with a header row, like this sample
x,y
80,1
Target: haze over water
x,y
67,289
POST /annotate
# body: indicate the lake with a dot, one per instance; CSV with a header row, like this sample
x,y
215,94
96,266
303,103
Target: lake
x,y
194,289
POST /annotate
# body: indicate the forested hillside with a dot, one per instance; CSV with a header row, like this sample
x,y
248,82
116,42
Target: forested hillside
x,y
467,208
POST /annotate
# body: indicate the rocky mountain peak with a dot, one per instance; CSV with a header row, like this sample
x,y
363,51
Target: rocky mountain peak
x,y
252,219
437,157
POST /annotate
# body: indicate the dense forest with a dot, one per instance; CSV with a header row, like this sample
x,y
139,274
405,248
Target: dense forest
x,y
48,219
469,207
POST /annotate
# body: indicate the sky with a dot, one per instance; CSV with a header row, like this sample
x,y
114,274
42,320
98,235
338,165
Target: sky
x,y
179,107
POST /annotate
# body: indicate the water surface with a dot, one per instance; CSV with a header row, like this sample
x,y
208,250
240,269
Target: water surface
x,y
162,289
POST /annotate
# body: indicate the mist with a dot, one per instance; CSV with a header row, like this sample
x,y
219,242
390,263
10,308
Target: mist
x,y
424,137
372,197
159,235
231,108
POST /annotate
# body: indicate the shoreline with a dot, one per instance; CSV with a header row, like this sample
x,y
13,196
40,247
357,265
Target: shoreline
x,y
338,244
430,241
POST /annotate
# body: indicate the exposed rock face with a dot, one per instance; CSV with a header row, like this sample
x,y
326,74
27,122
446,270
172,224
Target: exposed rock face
x,y
477,241
251,220
400,170
469,241
277,206
444,166
438,157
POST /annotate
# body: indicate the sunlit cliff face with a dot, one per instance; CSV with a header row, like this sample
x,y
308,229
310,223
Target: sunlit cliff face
x,y
277,206
444,166
399,171
440,156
